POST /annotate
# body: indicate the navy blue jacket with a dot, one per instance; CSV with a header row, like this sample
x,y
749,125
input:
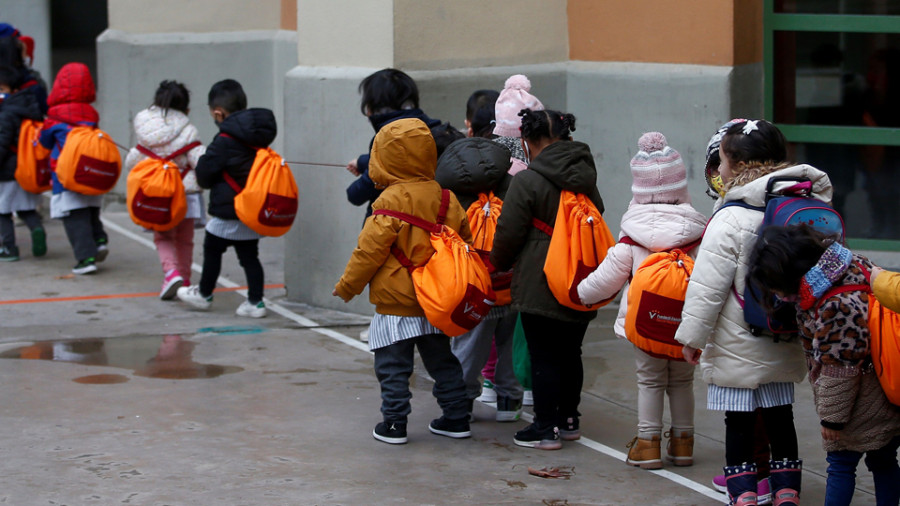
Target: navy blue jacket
x,y
18,106
233,153
363,191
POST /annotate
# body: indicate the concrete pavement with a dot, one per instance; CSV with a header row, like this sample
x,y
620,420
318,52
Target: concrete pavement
x,y
111,396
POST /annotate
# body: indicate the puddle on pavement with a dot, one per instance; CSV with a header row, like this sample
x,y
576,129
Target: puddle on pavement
x,y
169,357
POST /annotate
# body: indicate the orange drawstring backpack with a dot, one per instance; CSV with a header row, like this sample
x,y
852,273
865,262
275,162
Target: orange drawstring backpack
x,y
32,159
453,286
655,300
268,202
483,215
578,243
89,162
155,192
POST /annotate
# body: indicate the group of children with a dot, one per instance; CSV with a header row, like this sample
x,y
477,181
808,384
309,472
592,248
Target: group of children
x,y
163,130
750,377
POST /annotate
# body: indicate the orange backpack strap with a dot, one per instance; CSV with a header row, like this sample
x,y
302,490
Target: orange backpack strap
x,y
415,221
146,152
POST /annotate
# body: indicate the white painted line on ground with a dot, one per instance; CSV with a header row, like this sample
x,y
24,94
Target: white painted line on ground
x,y
306,322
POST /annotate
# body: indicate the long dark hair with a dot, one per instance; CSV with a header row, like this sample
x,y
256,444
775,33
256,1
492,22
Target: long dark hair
x,y
780,259
172,95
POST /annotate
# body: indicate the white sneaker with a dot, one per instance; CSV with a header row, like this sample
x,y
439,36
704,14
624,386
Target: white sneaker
x,y
364,336
257,310
191,295
102,252
528,398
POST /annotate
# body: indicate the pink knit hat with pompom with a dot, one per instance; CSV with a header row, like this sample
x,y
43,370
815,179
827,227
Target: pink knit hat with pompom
x,y
513,99
659,176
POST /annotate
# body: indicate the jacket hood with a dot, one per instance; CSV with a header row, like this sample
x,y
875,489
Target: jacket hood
x,y
753,191
661,227
254,127
158,127
472,166
73,84
403,151
23,104
378,121
567,164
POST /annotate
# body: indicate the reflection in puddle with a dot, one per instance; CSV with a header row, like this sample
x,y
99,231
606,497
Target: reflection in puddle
x,y
169,358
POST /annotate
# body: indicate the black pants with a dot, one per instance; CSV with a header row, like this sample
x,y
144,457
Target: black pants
x,y
84,229
556,368
740,431
248,254
8,229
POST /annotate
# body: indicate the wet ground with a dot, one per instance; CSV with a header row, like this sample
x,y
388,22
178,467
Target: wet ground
x,y
111,396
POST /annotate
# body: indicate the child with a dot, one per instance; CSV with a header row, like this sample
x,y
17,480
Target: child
x,y
801,264
659,218
70,106
481,105
745,372
387,95
16,107
403,162
468,168
164,129
514,98
232,151
553,331
715,188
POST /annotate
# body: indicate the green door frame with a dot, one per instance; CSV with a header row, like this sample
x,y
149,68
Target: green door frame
x,y
850,23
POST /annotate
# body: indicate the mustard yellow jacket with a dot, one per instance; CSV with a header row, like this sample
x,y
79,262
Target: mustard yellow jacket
x,y
402,162
887,290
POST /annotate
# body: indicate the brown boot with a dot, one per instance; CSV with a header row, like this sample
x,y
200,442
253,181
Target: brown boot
x,y
680,450
644,453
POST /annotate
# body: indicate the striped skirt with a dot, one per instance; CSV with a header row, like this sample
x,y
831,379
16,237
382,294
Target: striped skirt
x,y
768,395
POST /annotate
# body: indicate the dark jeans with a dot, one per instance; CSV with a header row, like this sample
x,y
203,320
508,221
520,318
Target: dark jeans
x,y
740,429
394,366
8,229
248,255
556,369
881,462
84,229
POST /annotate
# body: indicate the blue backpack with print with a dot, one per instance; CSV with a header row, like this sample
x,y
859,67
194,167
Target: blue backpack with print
x,y
788,202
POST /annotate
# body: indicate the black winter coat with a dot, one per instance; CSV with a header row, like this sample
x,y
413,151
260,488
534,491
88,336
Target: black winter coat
x,y
233,153
472,166
534,193
16,108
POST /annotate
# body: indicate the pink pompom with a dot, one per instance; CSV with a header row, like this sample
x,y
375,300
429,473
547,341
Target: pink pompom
x,y
652,141
518,82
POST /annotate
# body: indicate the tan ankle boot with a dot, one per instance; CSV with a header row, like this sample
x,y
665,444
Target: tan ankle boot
x,y
644,453
680,450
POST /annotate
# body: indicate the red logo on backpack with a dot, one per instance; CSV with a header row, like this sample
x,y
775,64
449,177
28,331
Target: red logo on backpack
x,y
32,159
155,192
268,202
89,162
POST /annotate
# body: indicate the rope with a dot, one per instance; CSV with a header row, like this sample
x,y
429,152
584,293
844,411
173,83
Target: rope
x,y
319,164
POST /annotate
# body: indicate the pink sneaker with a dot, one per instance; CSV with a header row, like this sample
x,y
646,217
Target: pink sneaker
x,y
763,491
171,284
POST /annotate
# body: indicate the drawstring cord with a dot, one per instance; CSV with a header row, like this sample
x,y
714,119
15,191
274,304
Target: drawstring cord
x,y
318,164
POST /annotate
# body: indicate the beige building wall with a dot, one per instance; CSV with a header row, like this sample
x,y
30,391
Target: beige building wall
x,y
419,35
166,16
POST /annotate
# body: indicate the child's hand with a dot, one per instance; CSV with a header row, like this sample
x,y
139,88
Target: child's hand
x,y
830,434
691,355
875,272
336,294
353,168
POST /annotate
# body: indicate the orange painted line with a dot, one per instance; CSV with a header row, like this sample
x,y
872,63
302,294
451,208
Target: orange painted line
x,y
115,296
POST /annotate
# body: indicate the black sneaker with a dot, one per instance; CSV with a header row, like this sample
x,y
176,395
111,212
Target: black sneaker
x,y
471,406
86,266
390,432
535,437
568,429
456,429
508,409
9,253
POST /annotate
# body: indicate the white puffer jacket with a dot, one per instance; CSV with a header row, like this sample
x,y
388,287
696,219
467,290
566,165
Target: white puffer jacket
x,y
712,319
659,227
165,132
